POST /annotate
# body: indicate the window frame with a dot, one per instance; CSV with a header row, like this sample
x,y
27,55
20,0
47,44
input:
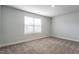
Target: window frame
x,y
34,25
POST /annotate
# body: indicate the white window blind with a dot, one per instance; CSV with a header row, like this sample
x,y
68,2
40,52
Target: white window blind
x,y
32,25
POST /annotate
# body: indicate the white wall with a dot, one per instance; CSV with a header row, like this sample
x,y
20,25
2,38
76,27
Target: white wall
x,y
0,26
12,23
66,26
13,26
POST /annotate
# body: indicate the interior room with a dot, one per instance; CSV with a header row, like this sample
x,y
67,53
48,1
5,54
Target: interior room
x,y
39,29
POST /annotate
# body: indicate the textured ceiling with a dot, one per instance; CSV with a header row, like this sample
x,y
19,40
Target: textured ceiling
x,y
47,10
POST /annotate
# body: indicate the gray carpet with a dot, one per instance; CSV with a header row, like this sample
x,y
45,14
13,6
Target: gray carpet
x,y
43,46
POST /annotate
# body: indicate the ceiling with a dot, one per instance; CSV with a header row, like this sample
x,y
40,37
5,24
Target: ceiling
x,y
47,10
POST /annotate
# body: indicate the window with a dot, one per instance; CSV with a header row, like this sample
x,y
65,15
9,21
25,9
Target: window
x,y
32,25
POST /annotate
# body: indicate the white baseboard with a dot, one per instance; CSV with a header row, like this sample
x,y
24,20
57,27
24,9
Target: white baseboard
x,y
65,37
13,43
62,37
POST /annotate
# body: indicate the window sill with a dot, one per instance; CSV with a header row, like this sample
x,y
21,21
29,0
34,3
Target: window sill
x,y
32,33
